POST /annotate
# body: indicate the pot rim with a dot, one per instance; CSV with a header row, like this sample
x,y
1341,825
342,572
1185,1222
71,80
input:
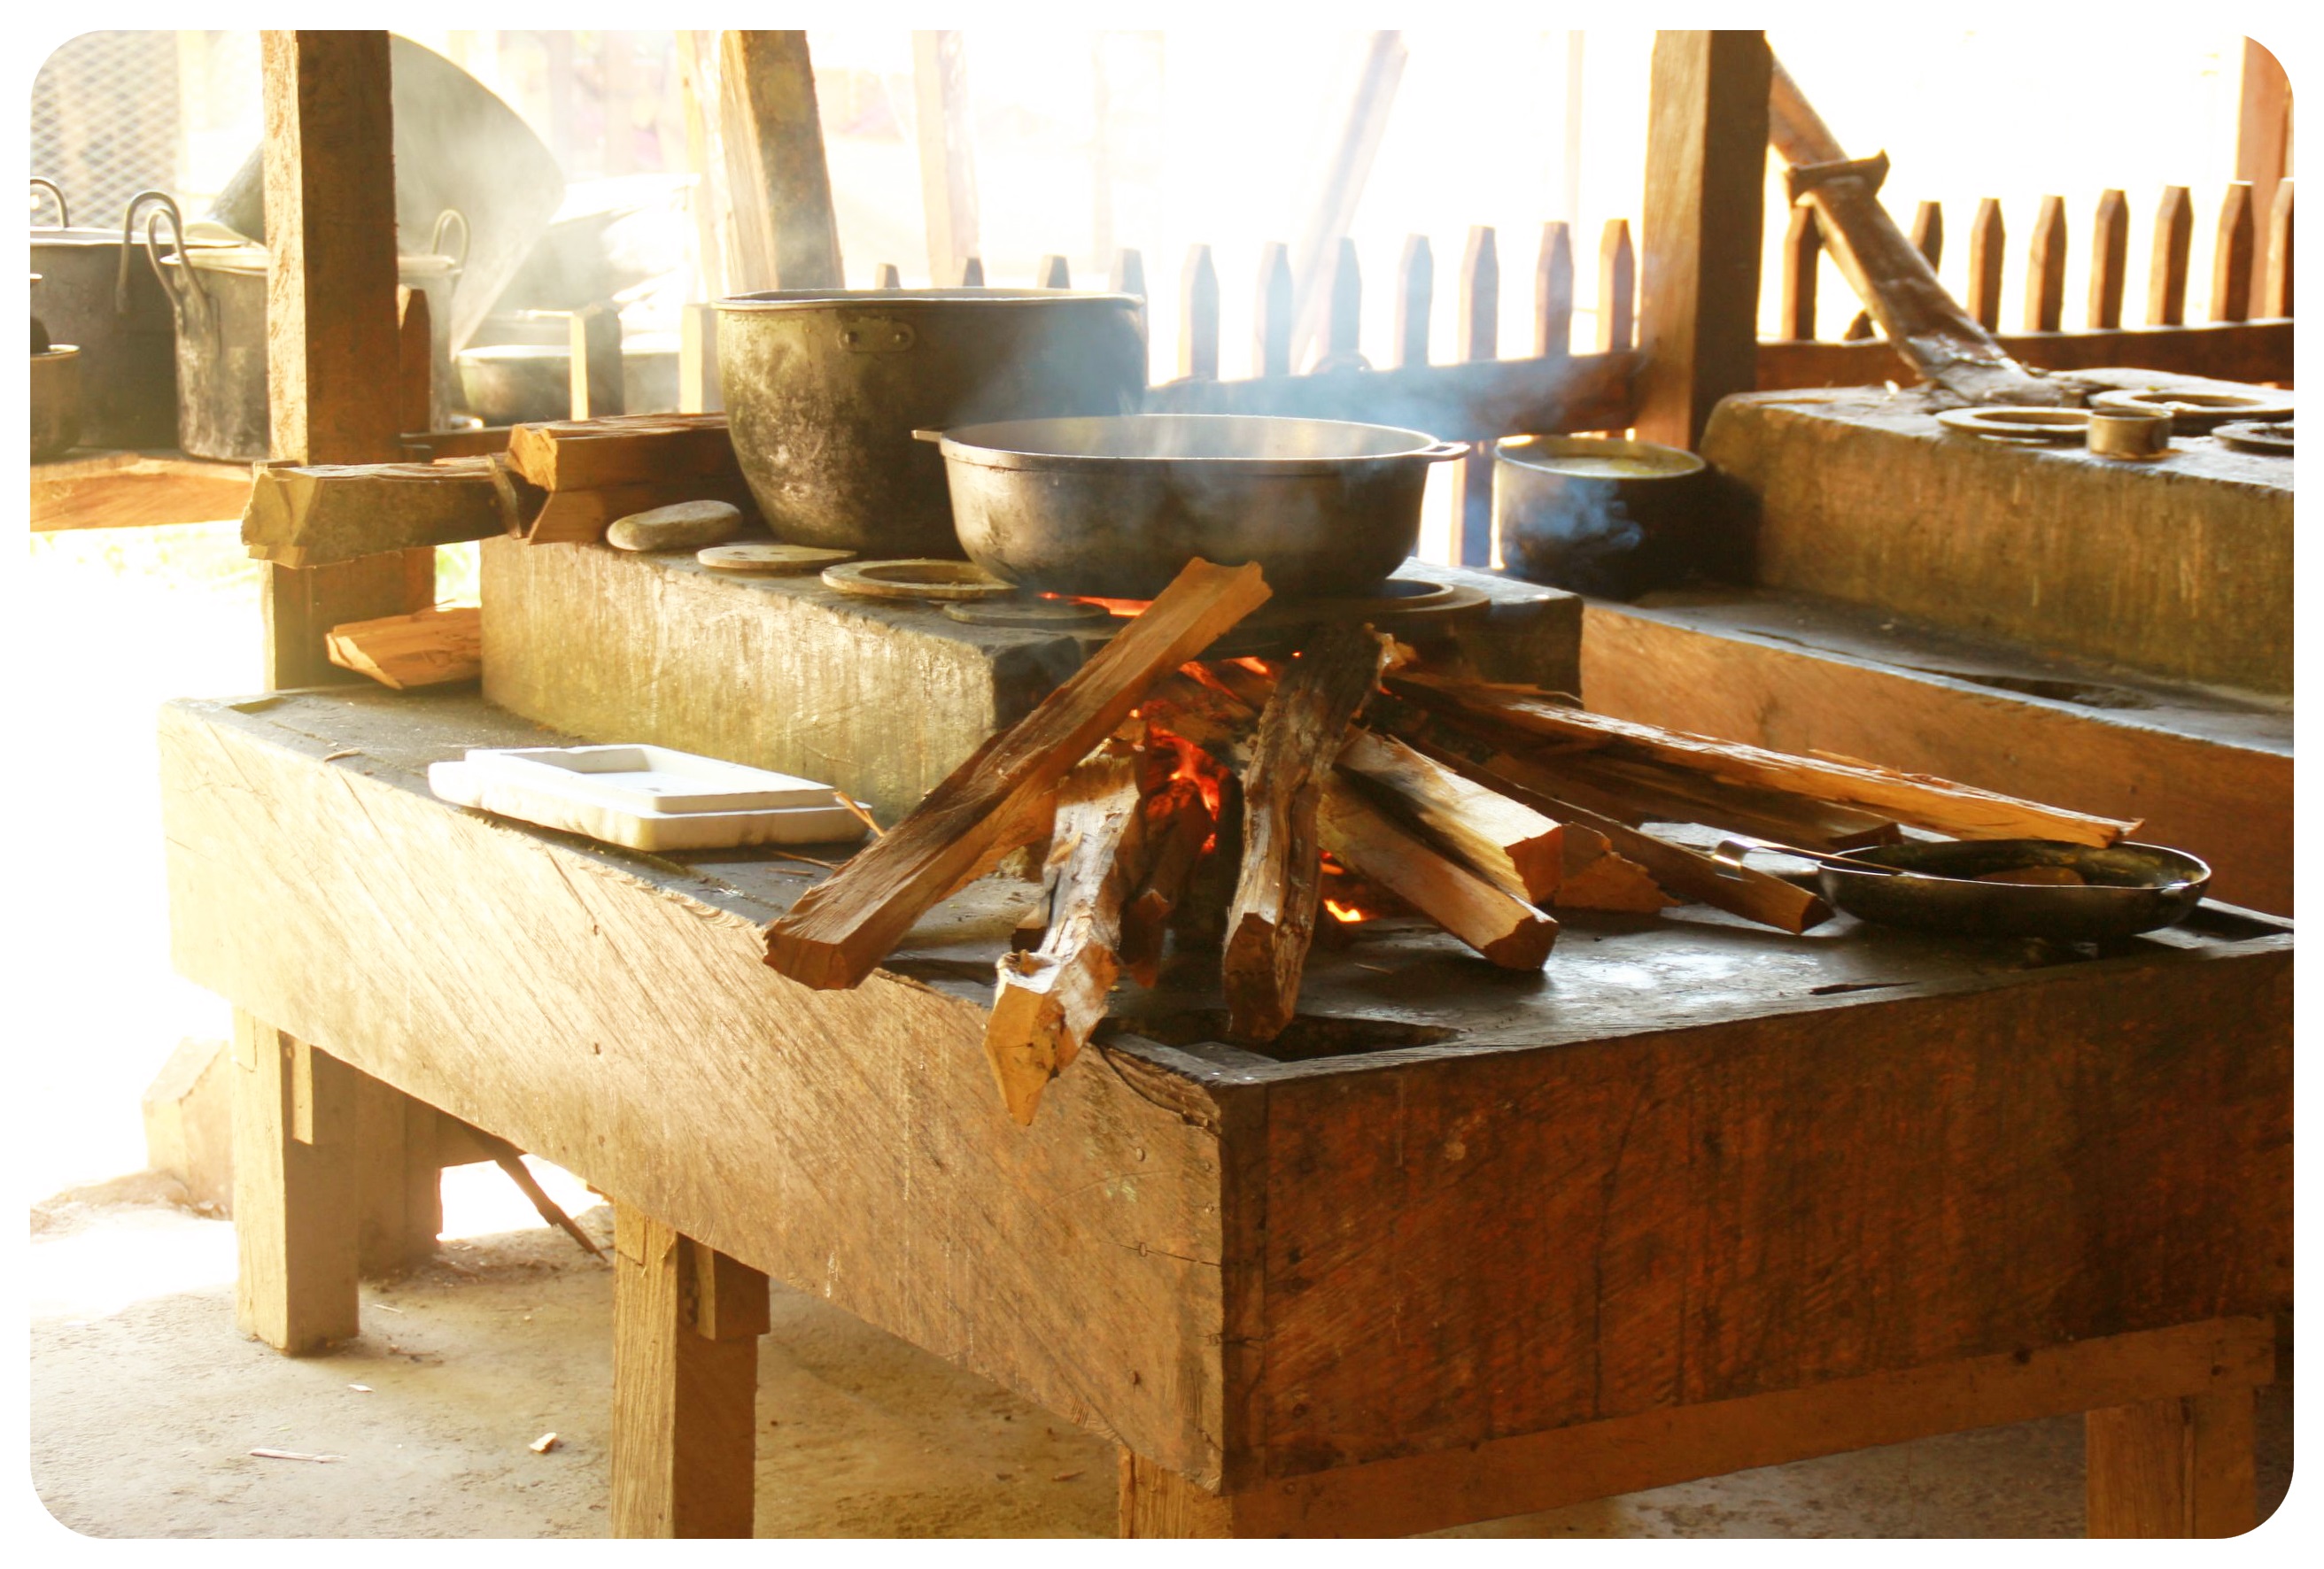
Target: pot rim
x,y
1589,445
958,445
781,299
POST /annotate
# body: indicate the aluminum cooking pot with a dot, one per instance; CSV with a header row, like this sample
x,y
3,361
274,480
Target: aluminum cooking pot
x,y
1598,515
116,315
824,389
1115,507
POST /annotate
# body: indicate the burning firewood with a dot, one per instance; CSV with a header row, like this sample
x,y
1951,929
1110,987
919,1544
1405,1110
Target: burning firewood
x,y
1510,845
1177,822
1504,929
1047,1001
839,930
1272,919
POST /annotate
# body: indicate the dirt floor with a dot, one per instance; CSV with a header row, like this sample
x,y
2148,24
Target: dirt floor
x,y
145,1403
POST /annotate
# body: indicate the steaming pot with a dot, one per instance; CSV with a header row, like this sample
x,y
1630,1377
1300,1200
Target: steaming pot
x,y
1601,516
822,390
1115,507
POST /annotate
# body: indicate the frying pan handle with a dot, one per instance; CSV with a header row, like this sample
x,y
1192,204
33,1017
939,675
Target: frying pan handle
x,y
64,212
927,435
1442,452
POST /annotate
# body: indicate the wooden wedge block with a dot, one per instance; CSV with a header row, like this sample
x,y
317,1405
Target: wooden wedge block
x,y
425,649
1047,1001
1272,919
313,514
841,930
635,449
1504,929
1920,799
1510,845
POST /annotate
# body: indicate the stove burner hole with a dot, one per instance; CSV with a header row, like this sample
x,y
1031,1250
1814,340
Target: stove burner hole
x,y
1308,1035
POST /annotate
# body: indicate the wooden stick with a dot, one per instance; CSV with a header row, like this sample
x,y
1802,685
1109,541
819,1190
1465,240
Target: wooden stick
x,y
841,929
511,1161
1919,798
1504,929
1344,310
1047,1001
1476,325
1513,847
1272,919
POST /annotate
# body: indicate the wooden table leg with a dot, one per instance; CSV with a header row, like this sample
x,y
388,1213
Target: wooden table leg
x,y
1157,1502
295,1212
686,1320
399,1177
2179,1467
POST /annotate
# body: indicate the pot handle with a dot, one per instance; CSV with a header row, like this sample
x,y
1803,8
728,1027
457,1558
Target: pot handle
x,y
192,287
928,436
129,242
1442,452
64,212
444,220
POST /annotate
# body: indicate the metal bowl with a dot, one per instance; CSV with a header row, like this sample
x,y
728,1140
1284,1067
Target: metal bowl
x,y
1115,507
2129,888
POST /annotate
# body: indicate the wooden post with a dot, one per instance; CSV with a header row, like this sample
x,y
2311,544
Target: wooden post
x,y
1270,350
398,1175
1156,1501
296,1197
2045,268
947,151
2179,1467
1476,336
415,362
2262,137
972,273
1618,287
2109,260
2174,244
1128,275
332,337
1988,236
594,338
1053,273
886,276
2277,300
1706,173
1198,316
697,361
1553,293
1415,290
2231,264
773,139
1343,321
686,1371
1803,252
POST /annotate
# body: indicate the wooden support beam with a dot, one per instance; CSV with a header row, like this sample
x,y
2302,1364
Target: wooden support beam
x,y
2174,243
1553,293
1415,290
307,515
1198,316
1270,350
697,361
297,1191
2224,350
2109,260
1706,174
399,1170
948,145
2175,1467
1802,255
332,338
2231,262
415,361
2045,267
773,137
1928,237
1476,338
593,341
684,1384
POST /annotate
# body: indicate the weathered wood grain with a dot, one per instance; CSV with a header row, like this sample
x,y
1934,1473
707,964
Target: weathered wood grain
x,y
2228,351
635,449
425,649
1513,846
684,1432
296,1205
2179,1466
1501,926
132,490
2232,258
773,141
2174,242
306,515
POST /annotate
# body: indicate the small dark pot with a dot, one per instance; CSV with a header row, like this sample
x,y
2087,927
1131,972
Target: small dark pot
x,y
1614,534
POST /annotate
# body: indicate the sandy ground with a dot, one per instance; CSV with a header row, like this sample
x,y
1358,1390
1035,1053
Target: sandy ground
x,y
146,1402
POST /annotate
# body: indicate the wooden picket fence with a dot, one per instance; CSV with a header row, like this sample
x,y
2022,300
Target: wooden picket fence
x,y
2246,339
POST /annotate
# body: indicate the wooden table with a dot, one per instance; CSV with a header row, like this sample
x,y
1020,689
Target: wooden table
x,y
1697,1198
94,487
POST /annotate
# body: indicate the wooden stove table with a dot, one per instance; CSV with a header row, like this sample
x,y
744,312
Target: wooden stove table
x,y
1698,1198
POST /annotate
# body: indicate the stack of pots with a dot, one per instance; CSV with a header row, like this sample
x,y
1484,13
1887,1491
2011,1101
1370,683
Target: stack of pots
x,y
114,313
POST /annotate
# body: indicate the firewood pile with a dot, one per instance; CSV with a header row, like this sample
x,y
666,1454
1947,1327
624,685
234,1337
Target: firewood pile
x,y
1223,807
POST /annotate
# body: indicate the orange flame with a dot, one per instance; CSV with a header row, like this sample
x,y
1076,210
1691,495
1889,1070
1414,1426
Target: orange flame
x,y
1346,915
1193,763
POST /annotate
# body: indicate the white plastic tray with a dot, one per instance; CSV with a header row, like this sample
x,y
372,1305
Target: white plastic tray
x,y
646,798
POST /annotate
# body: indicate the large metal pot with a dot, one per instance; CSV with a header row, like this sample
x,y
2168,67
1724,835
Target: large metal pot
x,y
116,315
1115,507
1597,515
457,146
822,390
219,302
522,384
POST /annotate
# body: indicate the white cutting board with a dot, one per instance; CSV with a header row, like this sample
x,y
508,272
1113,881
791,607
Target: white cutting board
x,y
646,798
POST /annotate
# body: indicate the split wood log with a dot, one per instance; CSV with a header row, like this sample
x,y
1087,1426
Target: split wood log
x,y
1889,275
580,454
1919,798
1508,931
1047,1001
305,515
1513,847
425,649
1176,825
1599,878
1272,919
1652,792
841,929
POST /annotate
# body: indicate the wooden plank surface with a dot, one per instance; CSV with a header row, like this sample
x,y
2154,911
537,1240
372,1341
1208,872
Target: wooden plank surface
x,y
1706,175
134,489
2259,351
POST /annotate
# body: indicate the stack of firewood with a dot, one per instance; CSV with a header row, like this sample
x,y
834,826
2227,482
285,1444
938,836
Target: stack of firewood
x,y
1215,805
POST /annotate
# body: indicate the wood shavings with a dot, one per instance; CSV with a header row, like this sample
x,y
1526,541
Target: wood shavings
x,y
293,1454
